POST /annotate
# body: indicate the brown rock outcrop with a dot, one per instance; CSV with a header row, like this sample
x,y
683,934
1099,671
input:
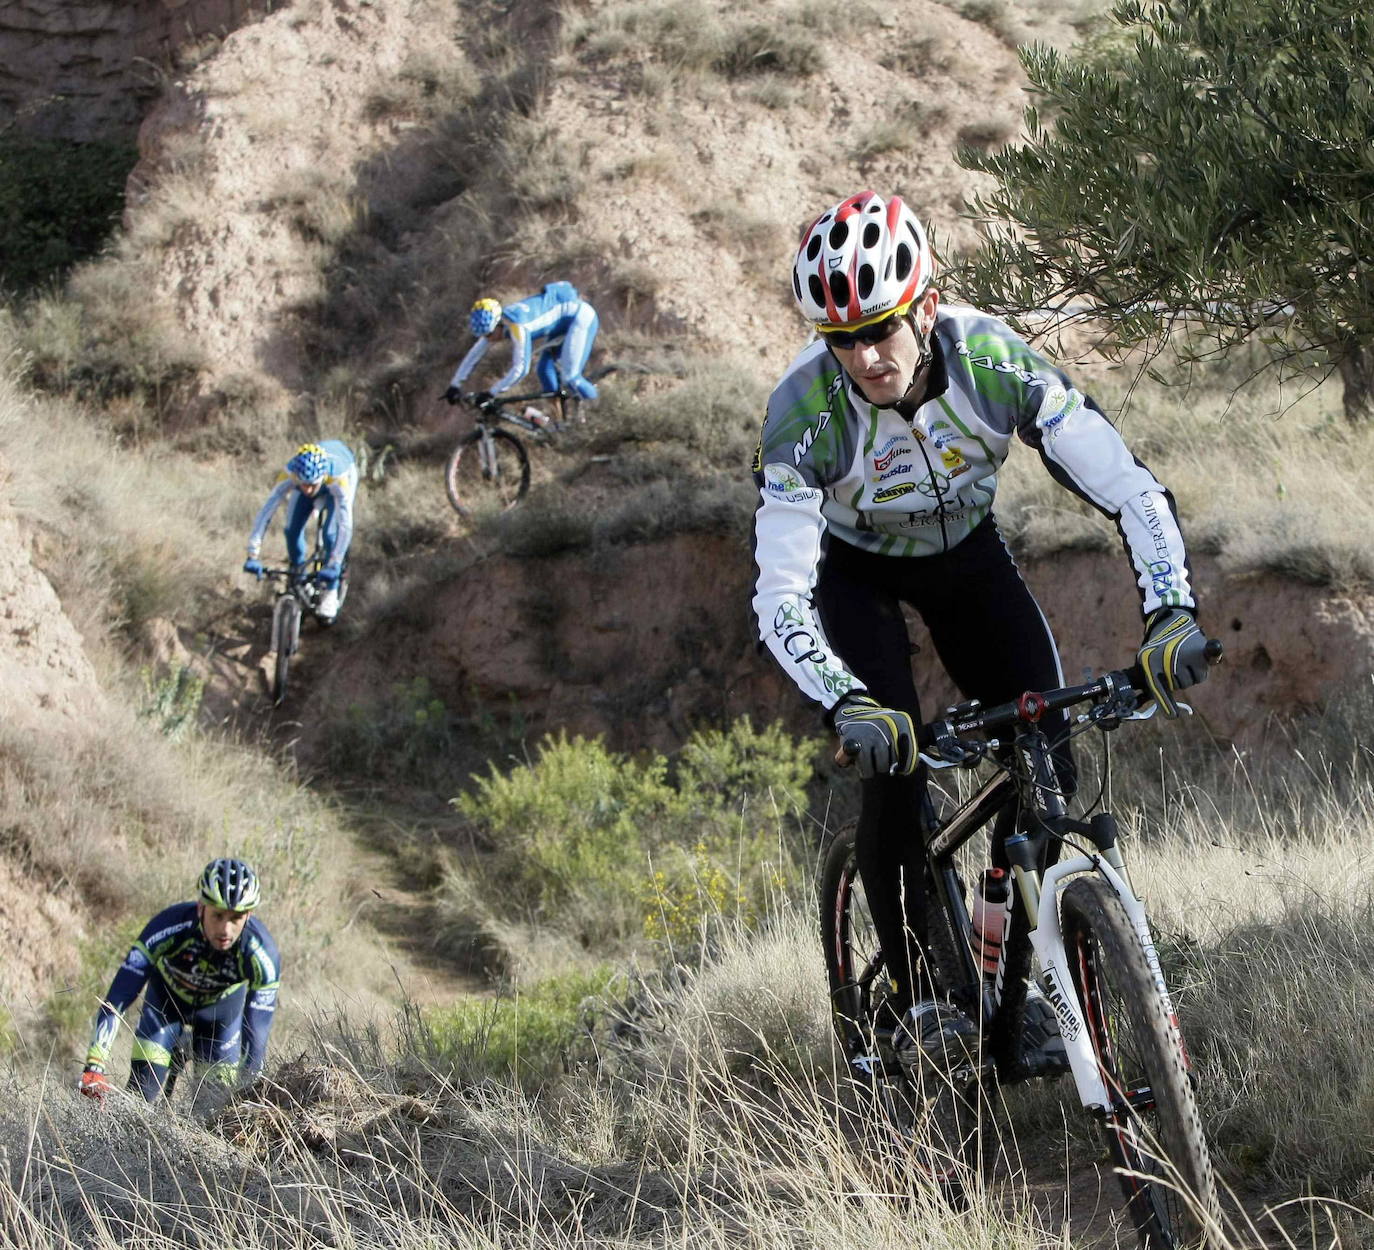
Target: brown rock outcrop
x,y
84,69
643,642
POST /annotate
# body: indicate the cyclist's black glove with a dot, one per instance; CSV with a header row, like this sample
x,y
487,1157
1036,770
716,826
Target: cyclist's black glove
x,y
453,395
1172,657
886,737
480,398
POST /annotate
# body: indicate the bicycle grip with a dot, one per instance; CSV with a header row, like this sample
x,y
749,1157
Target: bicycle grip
x,y
847,752
1213,652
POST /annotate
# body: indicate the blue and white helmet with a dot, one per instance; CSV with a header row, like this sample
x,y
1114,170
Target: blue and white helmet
x,y
230,885
309,464
484,317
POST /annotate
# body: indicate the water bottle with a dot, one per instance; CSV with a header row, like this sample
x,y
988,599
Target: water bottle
x,y
991,903
535,416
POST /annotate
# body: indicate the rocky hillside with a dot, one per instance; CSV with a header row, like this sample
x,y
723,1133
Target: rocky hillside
x,y
323,193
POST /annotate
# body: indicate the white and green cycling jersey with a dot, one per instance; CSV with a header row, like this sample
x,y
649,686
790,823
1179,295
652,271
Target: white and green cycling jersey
x,y
830,462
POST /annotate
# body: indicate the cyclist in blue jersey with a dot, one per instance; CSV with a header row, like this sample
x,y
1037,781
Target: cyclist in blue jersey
x,y
208,965
556,321
320,476
877,467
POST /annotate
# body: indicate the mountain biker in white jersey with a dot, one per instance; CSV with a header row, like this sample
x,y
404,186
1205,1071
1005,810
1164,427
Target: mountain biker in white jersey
x,y
557,321
877,468
321,476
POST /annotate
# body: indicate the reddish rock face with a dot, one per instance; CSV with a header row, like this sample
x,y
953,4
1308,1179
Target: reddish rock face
x,y
85,69
645,642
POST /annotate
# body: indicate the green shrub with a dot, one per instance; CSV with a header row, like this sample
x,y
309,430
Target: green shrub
x,y
533,1033
59,201
611,849
172,701
406,735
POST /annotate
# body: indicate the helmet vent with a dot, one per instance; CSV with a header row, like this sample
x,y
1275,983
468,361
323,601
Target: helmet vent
x,y
839,232
865,276
816,288
872,233
903,262
796,285
839,287
814,247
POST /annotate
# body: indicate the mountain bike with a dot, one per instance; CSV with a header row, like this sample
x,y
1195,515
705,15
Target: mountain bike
x,y
1080,917
489,469
298,594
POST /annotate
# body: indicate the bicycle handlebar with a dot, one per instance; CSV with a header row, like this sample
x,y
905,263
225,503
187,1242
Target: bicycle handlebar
x,y
1120,693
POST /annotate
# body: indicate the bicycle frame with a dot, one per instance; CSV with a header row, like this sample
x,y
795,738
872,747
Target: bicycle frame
x,y
506,409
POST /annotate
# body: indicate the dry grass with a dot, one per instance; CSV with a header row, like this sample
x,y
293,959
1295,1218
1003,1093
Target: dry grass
x,y
1268,478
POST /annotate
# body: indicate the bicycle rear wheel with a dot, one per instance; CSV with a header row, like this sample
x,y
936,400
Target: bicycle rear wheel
x,y
932,1121
1154,1130
286,629
489,471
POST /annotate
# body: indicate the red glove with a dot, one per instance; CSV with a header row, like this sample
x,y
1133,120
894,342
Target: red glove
x,y
95,1084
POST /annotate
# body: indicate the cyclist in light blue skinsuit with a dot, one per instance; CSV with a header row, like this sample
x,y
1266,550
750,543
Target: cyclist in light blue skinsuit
x,y
320,475
557,320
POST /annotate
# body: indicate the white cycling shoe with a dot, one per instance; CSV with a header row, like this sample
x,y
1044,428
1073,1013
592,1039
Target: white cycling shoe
x,y
328,607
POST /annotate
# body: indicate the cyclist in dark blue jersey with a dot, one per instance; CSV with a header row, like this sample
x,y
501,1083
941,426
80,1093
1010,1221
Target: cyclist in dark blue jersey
x,y
209,966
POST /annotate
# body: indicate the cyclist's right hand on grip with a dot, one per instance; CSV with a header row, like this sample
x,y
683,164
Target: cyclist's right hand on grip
x,y
881,740
453,395
95,1084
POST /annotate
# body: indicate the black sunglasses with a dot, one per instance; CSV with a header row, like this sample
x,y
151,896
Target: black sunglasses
x,y
876,333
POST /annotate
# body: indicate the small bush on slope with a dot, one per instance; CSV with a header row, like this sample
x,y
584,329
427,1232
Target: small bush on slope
x,y
606,848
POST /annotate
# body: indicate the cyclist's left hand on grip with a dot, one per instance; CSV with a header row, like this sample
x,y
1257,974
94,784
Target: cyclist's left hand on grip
x,y
327,578
885,736
479,398
453,395
254,566
1173,655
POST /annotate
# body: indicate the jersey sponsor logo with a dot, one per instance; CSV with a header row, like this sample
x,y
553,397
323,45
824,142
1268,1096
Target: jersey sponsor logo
x,y
163,935
835,680
1161,568
999,366
899,471
789,627
1060,405
757,466
822,420
781,482
881,462
953,461
782,479
919,520
895,491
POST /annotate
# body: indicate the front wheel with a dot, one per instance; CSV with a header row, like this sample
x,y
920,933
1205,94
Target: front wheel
x,y
1153,1129
489,471
286,632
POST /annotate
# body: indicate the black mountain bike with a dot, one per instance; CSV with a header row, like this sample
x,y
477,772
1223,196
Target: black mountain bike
x,y
1071,907
489,469
298,594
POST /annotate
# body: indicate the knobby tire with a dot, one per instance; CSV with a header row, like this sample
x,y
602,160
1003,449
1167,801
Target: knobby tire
x,y
929,1121
286,628
1157,1143
474,487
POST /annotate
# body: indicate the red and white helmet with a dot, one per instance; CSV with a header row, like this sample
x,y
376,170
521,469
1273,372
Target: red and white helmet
x,y
860,261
